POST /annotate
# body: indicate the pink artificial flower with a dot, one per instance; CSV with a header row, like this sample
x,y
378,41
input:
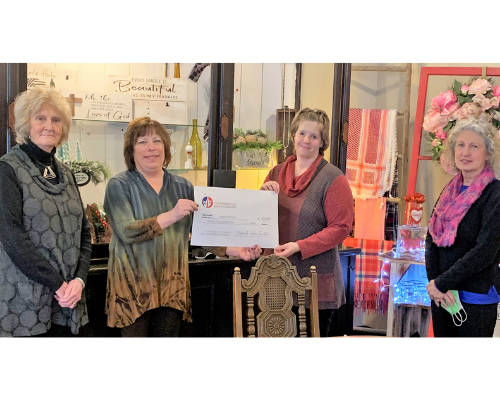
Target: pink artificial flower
x,y
440,134
446,102
434,120
435,142
447,165
484,116
496,91
485,102
495,102
479,86
464,89
468,110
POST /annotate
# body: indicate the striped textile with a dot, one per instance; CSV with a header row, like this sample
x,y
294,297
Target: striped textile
x,y
367,294
371,152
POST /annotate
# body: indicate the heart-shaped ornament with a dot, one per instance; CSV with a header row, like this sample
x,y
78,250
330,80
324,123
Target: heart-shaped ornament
x,y
416,215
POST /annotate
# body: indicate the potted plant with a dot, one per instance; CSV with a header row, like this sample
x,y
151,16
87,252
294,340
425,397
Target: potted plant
x,y
253,149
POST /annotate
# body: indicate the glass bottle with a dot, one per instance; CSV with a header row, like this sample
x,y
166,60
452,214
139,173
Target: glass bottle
x,y
177,70
196,143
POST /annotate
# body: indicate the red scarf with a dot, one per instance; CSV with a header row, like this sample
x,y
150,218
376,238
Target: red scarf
x,y
286,178
453,205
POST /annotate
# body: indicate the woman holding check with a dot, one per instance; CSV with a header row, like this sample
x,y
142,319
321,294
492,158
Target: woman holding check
x,y
315,210
150,211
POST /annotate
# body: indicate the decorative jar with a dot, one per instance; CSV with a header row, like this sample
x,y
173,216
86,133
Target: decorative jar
x,y
411,242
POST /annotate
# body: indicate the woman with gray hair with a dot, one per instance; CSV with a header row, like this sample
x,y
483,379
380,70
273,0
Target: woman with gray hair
x,y
463,243
45,241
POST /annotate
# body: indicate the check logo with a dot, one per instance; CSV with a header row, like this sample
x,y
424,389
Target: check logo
x,y
207,202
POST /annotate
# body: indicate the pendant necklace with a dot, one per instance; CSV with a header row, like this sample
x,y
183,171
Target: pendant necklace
x,y
47,173
286,132
285,108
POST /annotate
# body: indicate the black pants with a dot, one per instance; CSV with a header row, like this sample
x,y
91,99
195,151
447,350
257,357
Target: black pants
x,y
159,322
480,322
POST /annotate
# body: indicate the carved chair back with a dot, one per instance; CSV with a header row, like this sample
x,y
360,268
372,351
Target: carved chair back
x,y
274,280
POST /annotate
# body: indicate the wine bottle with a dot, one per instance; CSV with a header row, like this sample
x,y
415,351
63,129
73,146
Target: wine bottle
x,y
196,143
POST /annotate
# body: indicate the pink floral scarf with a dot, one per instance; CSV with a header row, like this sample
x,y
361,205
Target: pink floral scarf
x,y
453,205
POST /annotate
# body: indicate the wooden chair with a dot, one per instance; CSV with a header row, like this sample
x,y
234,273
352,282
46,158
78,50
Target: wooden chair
x,y
274,279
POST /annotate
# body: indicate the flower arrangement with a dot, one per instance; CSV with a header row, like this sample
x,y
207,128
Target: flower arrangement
x,y
97,171
479,98
246,140
99,221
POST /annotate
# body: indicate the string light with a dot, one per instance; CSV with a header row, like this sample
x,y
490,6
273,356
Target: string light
x,y
405,291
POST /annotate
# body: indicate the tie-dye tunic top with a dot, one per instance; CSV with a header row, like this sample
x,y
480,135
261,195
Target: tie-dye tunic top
x,y
148,266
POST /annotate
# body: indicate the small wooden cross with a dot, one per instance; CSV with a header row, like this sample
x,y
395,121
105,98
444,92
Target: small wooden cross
x,y
72,100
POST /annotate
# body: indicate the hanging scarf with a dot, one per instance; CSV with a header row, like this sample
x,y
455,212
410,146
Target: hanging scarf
x,y
292,186
453,205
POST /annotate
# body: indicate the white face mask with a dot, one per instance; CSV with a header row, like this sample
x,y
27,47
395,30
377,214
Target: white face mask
x,y
456,310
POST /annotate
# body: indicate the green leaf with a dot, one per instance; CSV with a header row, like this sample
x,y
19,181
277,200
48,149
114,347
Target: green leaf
x,y
456,87
97,170
448,126
461,100
276,144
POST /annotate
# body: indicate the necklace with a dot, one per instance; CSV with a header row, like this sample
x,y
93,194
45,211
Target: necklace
x,y
47,173
285,108
286,132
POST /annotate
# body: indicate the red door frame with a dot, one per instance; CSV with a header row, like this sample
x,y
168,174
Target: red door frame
x,y
425,72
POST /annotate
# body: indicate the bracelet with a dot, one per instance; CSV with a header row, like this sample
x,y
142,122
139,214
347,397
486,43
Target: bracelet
x,y
81,281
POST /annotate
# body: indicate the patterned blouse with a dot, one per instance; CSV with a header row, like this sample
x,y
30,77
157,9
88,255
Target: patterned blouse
x,y
148,266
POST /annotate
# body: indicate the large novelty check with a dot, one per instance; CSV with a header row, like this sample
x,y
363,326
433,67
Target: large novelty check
x,y
235,217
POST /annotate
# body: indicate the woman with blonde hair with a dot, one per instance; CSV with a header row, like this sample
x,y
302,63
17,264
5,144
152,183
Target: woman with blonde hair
x,y
315,210
45,241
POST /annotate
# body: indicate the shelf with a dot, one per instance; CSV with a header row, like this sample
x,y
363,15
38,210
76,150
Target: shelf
x,y
183,170
391,256
127,122
412,305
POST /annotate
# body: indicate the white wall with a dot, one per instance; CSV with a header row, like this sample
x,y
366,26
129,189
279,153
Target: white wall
x,y
258,96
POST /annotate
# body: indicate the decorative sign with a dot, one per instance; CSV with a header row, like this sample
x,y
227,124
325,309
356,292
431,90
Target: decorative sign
x,y
252,158
39,75
172,89
99,106
165,112
82,178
